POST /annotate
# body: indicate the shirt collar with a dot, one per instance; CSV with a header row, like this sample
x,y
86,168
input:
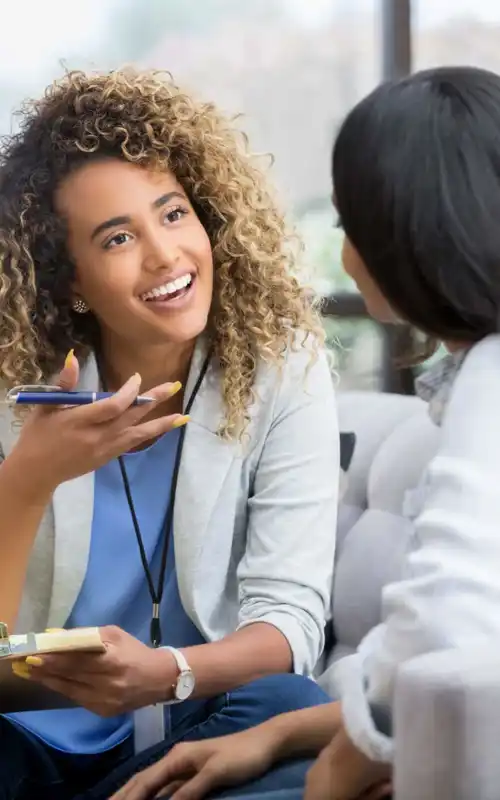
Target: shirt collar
x,y
436,383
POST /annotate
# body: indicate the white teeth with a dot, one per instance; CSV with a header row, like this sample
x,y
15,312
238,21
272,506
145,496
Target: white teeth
x,y
169,288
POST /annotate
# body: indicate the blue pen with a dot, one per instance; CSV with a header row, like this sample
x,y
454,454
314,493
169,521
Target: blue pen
x,y
60,398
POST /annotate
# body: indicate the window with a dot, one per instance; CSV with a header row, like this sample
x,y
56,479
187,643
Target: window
x,y
451,31
292,68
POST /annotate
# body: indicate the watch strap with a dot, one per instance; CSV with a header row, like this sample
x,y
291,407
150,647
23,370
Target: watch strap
x,y
183,667
180,660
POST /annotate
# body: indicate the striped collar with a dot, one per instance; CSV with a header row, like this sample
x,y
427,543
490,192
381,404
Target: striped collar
x,y
436,383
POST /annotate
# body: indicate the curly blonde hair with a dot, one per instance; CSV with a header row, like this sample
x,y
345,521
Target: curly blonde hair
x,y
145,118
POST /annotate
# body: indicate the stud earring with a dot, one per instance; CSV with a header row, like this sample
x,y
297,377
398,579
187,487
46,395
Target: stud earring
x,y
80,306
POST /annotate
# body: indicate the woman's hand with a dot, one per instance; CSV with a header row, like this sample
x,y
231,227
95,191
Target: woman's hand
x,y
63,443
193,769
342,772
128,675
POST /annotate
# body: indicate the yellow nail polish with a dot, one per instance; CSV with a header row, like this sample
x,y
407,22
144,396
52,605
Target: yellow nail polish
x,y
34,661
180,421
176,387
54,630
20,670
69,358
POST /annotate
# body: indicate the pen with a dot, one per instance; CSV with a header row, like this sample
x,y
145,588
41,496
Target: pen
x,y
67,398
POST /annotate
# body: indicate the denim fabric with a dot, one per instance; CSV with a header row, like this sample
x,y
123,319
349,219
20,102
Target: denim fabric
x,y
31,770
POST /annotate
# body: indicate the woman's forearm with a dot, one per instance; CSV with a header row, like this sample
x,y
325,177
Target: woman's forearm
x,y
303,733
22,506
257,650
250,653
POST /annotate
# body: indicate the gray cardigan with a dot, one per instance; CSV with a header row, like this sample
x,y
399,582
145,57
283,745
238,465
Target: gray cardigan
x,y
254,522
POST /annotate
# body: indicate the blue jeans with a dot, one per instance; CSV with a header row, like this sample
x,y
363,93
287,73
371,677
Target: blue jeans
x,y
276,794
285,782
31,770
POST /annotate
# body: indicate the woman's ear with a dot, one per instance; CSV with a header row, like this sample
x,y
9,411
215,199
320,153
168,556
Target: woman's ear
x,y
78,303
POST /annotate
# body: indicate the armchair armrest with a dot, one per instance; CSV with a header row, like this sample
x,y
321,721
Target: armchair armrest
x,y
446,722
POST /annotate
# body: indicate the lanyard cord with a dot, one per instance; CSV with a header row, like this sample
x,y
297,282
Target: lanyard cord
x,y
156,594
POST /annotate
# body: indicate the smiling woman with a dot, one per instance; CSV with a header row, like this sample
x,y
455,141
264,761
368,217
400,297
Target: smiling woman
x,y
141,249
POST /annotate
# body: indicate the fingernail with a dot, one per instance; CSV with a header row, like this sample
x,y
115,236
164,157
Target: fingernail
x,y
137,378
34,661
21,670
176,387
54,630
180,421
69,358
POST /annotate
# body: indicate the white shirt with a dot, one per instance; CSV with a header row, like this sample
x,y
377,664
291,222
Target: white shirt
x,y
449,593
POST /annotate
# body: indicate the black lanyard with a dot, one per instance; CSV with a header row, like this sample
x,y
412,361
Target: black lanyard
x,y
156,594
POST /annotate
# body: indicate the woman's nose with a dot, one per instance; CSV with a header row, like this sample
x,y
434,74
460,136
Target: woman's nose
x,y
160,253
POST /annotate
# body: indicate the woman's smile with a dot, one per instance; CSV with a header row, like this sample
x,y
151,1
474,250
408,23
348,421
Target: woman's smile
x,y
173,294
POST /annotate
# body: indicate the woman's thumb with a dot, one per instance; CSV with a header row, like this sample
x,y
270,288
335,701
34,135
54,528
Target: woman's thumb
x,y
68,377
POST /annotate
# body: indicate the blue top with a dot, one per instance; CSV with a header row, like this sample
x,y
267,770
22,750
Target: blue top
x,y
123,599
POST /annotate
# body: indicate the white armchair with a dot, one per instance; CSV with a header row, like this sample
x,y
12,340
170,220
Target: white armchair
x,y
395,439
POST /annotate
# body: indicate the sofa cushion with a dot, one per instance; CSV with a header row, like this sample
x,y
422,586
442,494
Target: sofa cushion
x,y
373,417
400,461
394,442
372,556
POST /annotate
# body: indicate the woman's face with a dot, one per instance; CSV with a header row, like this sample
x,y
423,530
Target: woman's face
x,y
143,259
377,306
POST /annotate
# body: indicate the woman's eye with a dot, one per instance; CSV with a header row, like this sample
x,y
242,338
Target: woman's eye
x,y
175,214
171,216
117,240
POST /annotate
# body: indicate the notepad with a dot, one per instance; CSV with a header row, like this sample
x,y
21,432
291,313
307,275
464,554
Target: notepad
x,y
17,694
60,641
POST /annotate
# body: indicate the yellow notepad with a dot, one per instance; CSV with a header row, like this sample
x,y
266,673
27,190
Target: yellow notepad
x,y
55,641
17,694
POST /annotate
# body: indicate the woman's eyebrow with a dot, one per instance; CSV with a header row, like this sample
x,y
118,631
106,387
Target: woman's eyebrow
x,y
125,219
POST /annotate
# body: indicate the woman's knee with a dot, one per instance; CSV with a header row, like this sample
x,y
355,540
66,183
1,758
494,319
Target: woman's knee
x,y
281,693
256,702
283,782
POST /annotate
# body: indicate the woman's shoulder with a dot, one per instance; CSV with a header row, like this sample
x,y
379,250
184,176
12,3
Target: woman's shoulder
x,y
305,368
485,351
298,387
479,374
471,416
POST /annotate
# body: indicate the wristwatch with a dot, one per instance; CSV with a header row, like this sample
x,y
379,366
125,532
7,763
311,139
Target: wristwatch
x,y
185,683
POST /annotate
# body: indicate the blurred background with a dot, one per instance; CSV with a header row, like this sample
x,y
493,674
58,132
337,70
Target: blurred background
x,y
293,68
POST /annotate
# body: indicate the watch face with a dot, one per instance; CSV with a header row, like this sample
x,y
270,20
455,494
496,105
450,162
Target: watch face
x,y
185,685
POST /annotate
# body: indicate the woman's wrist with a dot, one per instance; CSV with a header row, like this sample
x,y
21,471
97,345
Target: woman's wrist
x,y
25,481
162,675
